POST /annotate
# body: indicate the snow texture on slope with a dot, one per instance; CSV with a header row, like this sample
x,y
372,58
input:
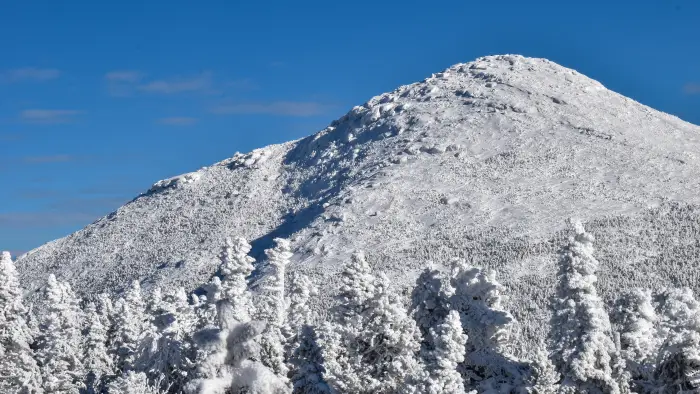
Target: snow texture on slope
x,y
484,160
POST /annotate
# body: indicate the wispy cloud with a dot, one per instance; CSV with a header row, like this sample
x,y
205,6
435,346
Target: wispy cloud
x,y
243,84
49,116
48,159
197,83
24,220
126,76
692,88
177,121
32,74
10,137
280,108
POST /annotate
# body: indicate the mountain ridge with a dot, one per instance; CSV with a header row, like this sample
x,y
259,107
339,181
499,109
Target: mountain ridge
x,y
484,161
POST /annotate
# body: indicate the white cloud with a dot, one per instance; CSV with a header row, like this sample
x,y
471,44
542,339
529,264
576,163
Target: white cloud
x,y
29,74
198,83
281,108
692,88
178,121
124,76
49,116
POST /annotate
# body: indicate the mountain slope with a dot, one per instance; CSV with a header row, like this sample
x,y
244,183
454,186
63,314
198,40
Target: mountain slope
x,y
485,160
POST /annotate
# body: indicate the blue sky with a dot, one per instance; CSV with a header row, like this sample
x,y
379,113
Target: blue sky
x,y
100,99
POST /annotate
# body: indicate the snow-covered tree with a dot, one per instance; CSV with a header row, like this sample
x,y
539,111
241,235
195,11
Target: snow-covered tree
x,y
449,343
98,363
430,303
581,334
236,356
132,383
236,267
60,353
272,307
677,364
231,365
374,347
637,321
544,378
19,372
478,298
307,364
130,338
301,289
173,358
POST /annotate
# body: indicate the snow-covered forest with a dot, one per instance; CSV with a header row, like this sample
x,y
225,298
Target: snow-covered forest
x,y
453,336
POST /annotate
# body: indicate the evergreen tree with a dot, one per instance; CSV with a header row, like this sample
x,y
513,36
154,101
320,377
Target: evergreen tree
x,y
307,364
544,377
478,298
374,348
98,363
449,348
131,329
174,357
236,267
60,352
273,307
637,320
232,354
132,383
429,304
677,364
583,347
19,372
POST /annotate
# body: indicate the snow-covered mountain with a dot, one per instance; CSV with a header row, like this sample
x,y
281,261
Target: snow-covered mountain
x,y
485,160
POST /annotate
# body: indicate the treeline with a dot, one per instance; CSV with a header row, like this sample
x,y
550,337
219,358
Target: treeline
x,y
454,337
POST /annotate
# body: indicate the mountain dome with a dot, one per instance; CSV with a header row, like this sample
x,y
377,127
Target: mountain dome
x,y
484,160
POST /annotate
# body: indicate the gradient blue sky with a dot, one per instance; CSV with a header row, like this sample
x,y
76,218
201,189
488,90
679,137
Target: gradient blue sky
x,y
100,99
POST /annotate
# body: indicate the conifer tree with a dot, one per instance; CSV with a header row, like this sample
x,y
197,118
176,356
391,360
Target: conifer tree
x,y
583,348
131,327
677,363
449,348
236,267
60,353
19,372
273,307
429,304
636,317
374,348
98,363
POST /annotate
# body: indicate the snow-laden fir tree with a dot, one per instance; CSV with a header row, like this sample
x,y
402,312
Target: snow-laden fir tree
x,y
236,267
60,353
174,357
133,330
19,372
374,347
478,298
430,303
358,286
544,378
636,318
302,350
233,351
581,334
449,343
98,363
132,383
677,364
272,307
306,363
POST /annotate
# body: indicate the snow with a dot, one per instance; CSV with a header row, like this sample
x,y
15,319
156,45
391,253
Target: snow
x,y
483,161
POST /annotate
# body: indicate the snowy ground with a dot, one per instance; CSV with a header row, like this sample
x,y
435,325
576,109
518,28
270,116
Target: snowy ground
x,y
485,160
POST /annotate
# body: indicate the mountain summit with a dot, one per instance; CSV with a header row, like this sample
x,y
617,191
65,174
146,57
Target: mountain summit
x,y
485,160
